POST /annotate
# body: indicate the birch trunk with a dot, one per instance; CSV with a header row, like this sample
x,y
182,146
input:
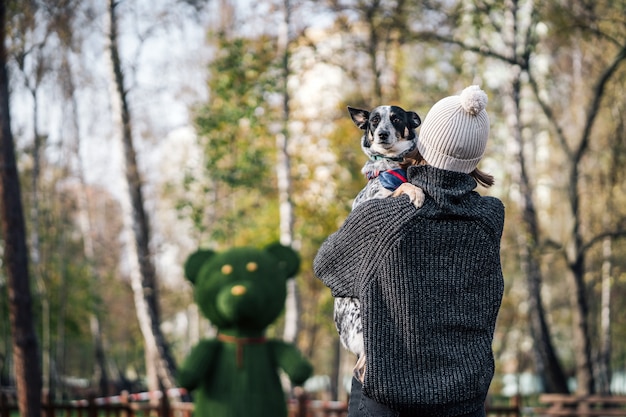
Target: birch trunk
x,y
25,346
142,270
283,173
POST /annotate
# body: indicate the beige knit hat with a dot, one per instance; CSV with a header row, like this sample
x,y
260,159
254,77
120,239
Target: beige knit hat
x,y
455,130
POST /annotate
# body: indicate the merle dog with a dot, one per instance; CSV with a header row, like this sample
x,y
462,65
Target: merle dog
x,y
389,141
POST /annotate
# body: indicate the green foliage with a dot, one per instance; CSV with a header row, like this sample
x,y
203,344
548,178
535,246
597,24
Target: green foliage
x,y
237,139
235,123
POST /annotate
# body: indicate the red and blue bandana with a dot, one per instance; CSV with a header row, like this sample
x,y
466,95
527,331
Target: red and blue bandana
x,y
390,179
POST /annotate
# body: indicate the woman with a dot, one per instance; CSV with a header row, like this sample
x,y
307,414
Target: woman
x,y
429,280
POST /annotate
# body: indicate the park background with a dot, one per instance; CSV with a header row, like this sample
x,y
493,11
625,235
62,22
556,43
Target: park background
x,y
146,129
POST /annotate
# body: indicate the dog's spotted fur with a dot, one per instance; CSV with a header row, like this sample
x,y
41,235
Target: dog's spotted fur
x,y
389,140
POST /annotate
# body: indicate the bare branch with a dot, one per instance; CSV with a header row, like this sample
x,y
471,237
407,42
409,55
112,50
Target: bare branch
x,y
547,111
594,107
482,50
617,234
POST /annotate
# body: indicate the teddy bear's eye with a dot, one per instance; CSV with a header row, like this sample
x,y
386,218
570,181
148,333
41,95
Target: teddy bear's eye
x,y
227,269
251,266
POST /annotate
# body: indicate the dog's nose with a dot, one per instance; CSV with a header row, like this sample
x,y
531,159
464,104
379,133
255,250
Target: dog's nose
x,y
383,135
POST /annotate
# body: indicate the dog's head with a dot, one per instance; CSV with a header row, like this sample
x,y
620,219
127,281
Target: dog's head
x,y
389,130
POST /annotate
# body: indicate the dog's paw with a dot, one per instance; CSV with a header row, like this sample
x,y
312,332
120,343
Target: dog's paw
x,y
416,194
359,369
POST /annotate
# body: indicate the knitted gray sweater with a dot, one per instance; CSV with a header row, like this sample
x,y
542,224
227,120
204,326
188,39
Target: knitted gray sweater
x,y
430,285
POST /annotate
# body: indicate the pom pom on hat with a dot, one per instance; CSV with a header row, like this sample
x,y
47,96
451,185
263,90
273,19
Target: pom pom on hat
x,y
473,100
455,131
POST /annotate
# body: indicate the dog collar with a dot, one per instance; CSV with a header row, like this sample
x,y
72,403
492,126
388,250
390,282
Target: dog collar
x,y
389,158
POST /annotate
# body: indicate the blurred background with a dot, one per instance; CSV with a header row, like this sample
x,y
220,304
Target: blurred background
x,y
147,129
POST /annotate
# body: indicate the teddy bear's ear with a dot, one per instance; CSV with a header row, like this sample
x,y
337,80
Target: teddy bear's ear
x,y
289,260
194,263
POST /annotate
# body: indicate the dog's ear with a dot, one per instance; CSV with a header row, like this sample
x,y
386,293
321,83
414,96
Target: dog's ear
x,y
414,119
359,117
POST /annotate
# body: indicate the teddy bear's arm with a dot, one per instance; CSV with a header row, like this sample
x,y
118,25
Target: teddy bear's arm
x,y
290,360
198,363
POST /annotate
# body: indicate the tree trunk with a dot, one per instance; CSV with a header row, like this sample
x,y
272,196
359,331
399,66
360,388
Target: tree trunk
x,y
143,275
283,172
580,308
35,240
25,346
604,358
546,361
547,364
580,312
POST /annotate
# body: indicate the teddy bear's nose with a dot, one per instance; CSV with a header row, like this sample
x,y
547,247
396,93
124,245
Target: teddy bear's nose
x,y
238,290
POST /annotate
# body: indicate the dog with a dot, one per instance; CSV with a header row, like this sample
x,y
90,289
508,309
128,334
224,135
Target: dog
x,y
389,141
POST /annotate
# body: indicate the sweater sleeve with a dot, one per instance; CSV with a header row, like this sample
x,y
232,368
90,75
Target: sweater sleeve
x,y
334,263
342,257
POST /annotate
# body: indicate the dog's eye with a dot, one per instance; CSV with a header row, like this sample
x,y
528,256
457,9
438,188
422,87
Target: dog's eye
x,y
375,120
396,119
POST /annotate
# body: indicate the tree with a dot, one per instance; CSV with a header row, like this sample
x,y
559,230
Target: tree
x,y
520,45
576,146
25,346
283,174
34,67
143,274
226,207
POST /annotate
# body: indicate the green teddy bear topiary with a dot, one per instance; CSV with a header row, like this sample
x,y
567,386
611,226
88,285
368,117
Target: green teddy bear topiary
x,y
241,291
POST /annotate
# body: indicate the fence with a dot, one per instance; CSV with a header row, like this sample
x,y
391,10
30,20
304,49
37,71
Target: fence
x,y
136,405
123,405
581,405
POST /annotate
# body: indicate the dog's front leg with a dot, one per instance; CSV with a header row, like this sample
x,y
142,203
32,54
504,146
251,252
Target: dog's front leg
x,y
416,194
